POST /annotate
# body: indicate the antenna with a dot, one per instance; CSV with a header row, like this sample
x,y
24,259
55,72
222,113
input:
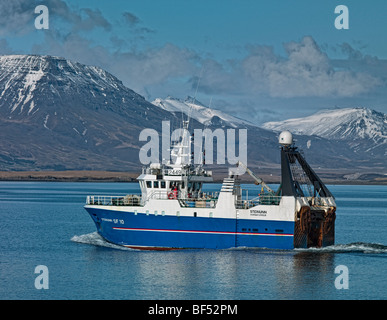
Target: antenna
x,y
196,91
197,84
209,107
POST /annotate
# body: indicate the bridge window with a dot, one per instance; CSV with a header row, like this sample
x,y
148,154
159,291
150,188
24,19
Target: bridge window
x,y
149,184
155,184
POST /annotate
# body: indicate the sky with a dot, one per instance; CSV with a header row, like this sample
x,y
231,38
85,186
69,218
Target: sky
x,y
261,60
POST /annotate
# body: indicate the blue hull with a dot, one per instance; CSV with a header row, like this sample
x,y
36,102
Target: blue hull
x,y
174,232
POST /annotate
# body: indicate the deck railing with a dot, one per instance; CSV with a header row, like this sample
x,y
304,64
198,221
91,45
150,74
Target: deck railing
x,y
198,203
206,201
261,200
129,200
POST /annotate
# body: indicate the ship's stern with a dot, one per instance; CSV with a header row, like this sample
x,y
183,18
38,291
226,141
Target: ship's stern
x,y
314,227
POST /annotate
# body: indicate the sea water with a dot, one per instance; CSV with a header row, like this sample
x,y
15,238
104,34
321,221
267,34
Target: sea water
x,y
44,224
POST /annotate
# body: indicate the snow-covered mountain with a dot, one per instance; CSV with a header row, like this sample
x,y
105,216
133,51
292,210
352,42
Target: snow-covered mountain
x,y
363,130
59,114
29,84
349,124
56,114
200,112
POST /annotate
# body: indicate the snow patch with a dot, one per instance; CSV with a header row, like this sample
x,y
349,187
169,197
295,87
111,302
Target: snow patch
x,y
45,122
198,111
25,94
32,106
341,124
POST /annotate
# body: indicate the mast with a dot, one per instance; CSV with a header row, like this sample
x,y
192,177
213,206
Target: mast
x,y
295,171
181,150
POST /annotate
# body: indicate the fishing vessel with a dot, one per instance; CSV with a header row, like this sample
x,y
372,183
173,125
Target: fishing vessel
x,y
173,211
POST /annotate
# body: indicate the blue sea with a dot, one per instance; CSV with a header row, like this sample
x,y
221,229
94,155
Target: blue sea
x,y
44,224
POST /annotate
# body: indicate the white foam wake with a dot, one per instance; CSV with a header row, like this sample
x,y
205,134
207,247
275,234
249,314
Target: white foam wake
x,y
361,247
96,240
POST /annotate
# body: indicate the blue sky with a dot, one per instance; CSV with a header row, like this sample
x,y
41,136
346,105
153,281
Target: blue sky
x,y
260,60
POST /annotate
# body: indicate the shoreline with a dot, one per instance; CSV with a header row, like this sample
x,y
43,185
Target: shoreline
x,y
68,176
116,176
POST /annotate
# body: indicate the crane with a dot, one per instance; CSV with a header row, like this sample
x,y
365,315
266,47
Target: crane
x,y
258,180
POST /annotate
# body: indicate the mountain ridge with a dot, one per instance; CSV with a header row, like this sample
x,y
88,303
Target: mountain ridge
x,y
56,114
326,123
364,129
199,111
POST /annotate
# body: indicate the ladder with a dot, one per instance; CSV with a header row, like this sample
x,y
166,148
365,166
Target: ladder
x,y
228,185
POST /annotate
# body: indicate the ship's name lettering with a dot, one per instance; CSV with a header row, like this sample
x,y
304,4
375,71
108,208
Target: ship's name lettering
x,y
113,220
258,212
174,172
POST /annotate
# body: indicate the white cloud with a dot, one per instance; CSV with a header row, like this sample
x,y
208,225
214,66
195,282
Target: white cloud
x,y
16,17
305,71
140,70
